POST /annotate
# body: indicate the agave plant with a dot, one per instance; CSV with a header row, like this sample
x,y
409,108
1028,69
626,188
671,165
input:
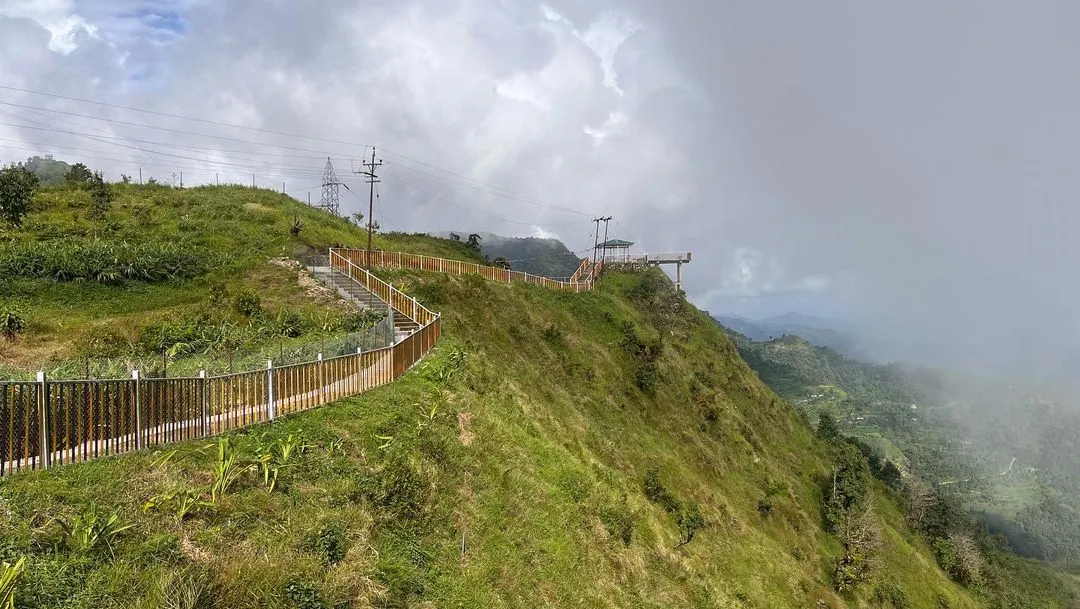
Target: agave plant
x,y
9,574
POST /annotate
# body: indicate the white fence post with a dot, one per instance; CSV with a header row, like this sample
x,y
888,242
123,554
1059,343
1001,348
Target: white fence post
x,y
322,381
44,453
203,391
271,406
138,409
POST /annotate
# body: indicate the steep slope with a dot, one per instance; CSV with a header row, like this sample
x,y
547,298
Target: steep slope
x,y
553,451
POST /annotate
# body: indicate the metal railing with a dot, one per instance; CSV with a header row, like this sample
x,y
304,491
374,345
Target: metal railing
x,y
47,422
418,262
44,423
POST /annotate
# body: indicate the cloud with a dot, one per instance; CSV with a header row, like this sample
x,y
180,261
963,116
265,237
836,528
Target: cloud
x,y
808,154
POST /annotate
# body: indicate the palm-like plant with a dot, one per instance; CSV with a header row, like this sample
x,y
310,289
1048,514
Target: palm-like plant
x,y
9,574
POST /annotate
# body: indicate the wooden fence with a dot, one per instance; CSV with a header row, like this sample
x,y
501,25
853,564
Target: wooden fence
x,y
44,423
582,280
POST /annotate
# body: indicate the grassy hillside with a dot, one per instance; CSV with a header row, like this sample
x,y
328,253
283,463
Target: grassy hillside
x,y
201,247
1012,460
604,449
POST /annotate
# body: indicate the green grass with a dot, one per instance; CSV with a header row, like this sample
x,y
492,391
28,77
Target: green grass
x,y
241,228
524,438
541,438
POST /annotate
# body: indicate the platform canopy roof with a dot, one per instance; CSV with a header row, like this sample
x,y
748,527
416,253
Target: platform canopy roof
x,y
615,244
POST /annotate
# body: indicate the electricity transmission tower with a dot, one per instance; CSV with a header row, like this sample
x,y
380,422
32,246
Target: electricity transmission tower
x,y
331,197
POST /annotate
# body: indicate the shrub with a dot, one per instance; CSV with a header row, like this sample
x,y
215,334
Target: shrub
x,y
12,321
103,342
431,293
247,303
690,521
289,324
304,595
328,542
890,595
17,186
100,196
656,492
619,521
959,556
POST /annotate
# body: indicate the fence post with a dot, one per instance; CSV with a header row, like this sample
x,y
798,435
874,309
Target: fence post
x,y
270,405
322,381
44,454
138,410
205,403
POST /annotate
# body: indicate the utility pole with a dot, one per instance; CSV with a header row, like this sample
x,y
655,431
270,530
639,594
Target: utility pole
x,y
596,239
372,181
604,259
140,176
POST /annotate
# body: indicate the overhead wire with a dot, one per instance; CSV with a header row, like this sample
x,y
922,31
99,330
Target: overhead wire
x,y
471,211
478,185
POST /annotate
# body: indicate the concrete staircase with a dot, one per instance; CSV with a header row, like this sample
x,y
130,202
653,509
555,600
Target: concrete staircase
x,y
347,288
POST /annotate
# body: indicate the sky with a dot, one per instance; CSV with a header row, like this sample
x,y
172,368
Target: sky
x,y
909,167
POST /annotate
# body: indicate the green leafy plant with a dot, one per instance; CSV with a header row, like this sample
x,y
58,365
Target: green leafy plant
x,y
104,261
273,459
183,503
329,543
227,469
295,227
9,575
90,530
304,595
17,186
100,196
12,322
247,303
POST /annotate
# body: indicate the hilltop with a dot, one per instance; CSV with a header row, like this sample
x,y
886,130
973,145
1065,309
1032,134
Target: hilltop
x,y
162,266
607,448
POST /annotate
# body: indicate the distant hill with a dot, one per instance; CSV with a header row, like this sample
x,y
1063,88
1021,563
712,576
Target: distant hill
x,y
535,255
49,171
818,331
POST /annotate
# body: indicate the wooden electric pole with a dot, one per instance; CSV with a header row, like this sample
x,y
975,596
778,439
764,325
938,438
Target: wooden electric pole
x,y
372,180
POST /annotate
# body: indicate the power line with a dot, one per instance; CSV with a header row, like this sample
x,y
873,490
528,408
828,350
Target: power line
x,y
473,212
481,186
178,131
176,116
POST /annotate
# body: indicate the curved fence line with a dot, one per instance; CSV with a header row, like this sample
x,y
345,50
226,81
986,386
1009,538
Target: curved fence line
x,y
582,280
44,423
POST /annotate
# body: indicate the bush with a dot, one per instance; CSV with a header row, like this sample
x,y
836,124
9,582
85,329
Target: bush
x,y
690,521
304,595
17,186
656,492
890,595
619,521
247,303
103,342
328,542
12,321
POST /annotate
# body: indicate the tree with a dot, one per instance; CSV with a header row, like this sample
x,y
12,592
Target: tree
x,y
100,196
17,186
455,237
358,219
827,429
501,263
474,242
126,179
78,175
863,540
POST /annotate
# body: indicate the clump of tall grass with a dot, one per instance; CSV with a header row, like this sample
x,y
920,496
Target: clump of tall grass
x,y
104,260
